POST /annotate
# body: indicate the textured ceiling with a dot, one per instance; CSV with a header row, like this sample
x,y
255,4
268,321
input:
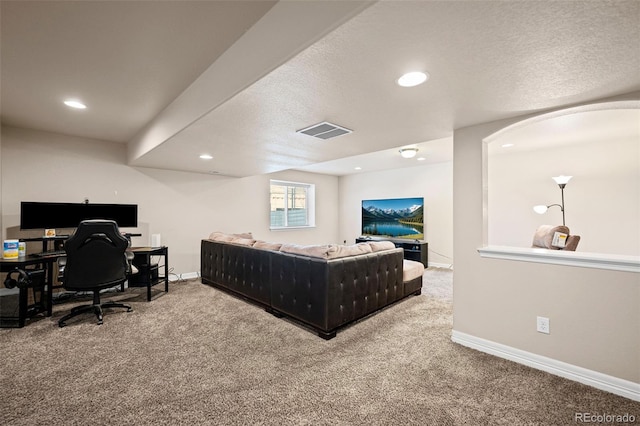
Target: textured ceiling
x,y
282,68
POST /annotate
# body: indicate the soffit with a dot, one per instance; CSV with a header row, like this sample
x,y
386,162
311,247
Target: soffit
x,y
487,61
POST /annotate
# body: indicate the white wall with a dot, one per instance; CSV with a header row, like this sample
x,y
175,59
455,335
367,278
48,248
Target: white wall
x,y
433,182
595,320
602,200
182,207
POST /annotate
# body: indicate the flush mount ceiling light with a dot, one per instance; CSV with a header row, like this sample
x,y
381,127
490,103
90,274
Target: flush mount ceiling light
x,y
411,79
206,156
74,103
408,152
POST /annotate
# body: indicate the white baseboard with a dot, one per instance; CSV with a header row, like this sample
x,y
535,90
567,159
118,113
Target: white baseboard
x,y
183,276
592,378
440,265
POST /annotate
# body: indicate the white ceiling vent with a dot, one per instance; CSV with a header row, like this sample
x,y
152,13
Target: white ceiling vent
x,y
324,130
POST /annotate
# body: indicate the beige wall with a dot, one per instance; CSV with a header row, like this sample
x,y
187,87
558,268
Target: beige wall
x,y
433,182
182,207
594,315
602,200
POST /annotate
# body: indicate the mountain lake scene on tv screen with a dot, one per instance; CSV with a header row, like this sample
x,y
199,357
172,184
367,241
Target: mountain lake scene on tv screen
x,y
397,218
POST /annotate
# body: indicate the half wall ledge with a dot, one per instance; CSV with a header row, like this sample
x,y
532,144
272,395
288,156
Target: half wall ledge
x,y
614,262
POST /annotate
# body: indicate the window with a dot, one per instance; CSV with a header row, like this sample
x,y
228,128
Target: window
x,y
292,205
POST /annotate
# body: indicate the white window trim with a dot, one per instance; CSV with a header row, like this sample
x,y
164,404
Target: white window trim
x,y
311,205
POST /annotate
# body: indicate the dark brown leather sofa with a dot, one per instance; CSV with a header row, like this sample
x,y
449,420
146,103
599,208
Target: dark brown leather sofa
x,y
322,294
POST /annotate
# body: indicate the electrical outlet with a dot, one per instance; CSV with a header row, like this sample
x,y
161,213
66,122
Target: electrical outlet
x,y
543,325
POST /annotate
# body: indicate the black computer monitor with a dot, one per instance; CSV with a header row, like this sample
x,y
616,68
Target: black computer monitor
x,y
46,215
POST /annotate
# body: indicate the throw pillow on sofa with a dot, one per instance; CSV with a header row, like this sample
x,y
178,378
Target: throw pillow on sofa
x,y
381,245
223,236
327,251
338,251
264,245
243,241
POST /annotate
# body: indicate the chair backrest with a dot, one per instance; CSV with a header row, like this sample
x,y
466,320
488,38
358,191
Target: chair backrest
x,y
95,256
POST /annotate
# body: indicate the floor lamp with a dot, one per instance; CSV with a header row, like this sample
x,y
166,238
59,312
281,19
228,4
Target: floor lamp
x,y
562,182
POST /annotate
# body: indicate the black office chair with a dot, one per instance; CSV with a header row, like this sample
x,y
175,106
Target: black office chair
x,y
96,258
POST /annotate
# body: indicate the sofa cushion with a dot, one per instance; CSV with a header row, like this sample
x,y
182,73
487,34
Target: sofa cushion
x,y
321,251
327,251
338,251
223,236
220,236
265,245
411,270
381,245
243,241
247,235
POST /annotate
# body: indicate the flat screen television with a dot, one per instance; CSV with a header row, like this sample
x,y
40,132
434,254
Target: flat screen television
x,y
394,218
43,215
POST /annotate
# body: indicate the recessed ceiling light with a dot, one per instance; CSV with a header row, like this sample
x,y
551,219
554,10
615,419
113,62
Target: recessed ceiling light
x,y
507,145
357,168
421,158
206,157
73,103
413,79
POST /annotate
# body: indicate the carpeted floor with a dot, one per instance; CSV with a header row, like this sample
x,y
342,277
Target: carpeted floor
x,y
199,356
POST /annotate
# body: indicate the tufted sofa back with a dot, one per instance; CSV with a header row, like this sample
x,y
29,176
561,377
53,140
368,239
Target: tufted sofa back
x,y
323,293
244,270
330,293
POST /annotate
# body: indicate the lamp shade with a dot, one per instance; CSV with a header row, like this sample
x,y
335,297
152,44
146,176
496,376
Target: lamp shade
x,y
541,209
562,180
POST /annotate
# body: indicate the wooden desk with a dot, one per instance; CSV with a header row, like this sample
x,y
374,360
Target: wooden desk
x,y
58,242
142,261
46,262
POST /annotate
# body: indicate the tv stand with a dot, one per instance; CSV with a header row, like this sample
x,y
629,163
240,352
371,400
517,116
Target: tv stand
x,y
416,250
